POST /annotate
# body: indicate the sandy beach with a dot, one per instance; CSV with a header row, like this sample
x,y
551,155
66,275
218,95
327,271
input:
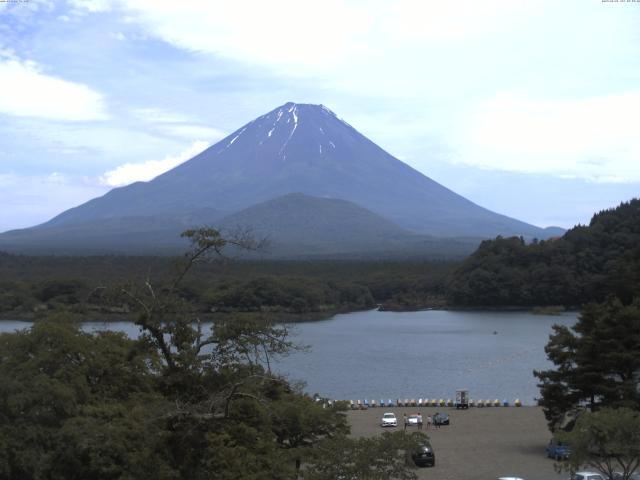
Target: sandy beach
x,y
480,443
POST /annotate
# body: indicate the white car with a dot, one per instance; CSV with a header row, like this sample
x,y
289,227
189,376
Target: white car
x,y
587,476
412,420
389,420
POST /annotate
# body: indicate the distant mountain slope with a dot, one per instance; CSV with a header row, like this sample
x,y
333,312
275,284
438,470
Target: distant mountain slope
x,y
553,232
298,223
294,148
584,265
295,225
148,235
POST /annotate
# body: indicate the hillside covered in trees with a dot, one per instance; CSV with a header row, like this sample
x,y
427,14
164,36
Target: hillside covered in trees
x,y
31,287
587,264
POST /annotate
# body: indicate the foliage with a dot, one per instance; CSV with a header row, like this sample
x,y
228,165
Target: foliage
x,y
294,295
597,362
74,405
179,402
607,440
379,458
587,264
288,290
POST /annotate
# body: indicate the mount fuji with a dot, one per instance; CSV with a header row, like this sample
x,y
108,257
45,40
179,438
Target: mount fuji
x,y
341,180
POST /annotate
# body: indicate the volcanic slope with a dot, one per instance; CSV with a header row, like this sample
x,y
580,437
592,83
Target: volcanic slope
x,y
295,148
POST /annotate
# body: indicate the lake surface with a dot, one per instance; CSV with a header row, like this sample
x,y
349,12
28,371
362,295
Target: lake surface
x,y
426,354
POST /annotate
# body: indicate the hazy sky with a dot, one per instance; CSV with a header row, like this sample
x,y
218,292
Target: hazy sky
x,y
529,108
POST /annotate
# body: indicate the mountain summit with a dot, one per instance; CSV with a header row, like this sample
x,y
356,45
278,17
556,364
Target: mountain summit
x,y
296,148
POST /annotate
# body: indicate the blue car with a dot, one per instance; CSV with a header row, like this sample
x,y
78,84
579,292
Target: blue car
x,y
558,450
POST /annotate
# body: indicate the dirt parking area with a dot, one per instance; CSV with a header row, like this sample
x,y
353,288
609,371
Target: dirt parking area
x,y
480,443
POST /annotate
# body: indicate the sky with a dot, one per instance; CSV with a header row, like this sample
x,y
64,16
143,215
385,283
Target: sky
x,y
531,109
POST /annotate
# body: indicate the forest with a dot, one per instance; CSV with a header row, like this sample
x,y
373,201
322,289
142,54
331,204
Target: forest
x,y
587,264
33,286
179,402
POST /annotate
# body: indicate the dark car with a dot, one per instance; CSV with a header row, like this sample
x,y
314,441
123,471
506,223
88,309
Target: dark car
x,y
558,450
423,455
441,419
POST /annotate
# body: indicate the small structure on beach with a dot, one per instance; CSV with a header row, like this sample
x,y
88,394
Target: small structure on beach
x,y
462,399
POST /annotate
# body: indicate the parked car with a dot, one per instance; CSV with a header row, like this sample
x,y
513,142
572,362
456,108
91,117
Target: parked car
x,y
389,420
423,455
587,476
441,419
558,450
412,420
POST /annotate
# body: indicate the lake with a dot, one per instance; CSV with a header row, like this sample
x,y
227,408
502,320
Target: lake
x,y
427,354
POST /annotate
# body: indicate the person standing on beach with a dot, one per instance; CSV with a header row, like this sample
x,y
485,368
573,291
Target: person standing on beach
x,y
406,421
429,422
436,420
419,421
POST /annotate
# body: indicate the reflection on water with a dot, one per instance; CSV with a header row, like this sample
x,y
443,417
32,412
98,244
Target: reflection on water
x,y
425,354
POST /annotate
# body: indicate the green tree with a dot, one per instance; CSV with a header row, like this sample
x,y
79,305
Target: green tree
x,y
180,402
587,264
75,405
607,440
384,457
597,362
221,380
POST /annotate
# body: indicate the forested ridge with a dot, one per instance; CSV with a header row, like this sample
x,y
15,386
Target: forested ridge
x,y
33,286
587,264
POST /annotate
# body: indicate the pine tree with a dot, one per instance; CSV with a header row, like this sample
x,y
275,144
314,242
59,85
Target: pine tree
x,y
597,362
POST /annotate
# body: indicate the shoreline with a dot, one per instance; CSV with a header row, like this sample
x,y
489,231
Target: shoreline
x,y
282,317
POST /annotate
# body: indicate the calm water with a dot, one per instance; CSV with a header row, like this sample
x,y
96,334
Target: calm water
x,y
426,354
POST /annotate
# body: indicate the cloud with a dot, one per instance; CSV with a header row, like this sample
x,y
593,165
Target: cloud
x,y
593,138
413,50
158,115
423,20
27,92
21,196
145,171
191,132
92,6
300,37
176,124
278,32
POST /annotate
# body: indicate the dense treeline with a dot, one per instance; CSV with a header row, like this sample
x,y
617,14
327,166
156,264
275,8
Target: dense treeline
x,y
591,395
180,402
32,286
596,362
587,264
